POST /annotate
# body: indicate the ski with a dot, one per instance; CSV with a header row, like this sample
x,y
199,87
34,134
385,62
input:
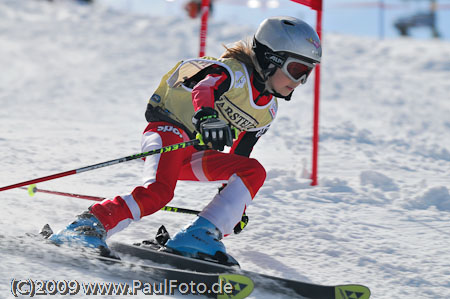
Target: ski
x,y
264,282
215,285
216,280
170,281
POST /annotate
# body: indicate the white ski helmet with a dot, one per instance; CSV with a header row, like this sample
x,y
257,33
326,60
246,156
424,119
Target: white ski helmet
x,y
279,40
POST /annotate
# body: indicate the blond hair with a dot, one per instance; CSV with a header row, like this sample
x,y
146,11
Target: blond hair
x,y
242,51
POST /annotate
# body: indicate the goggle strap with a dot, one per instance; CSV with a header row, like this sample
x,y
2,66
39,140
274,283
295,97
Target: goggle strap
x,y
275,59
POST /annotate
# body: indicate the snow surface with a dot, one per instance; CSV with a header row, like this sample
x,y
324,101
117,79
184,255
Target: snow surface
x,y
74,83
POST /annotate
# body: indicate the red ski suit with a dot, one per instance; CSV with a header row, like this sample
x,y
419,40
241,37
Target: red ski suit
x,y
243,175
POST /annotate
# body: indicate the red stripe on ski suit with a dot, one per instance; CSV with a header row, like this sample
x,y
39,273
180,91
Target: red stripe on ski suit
x,y
203,92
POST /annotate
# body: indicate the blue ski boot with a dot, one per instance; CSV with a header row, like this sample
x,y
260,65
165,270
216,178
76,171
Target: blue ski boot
x,y
201,240
85,231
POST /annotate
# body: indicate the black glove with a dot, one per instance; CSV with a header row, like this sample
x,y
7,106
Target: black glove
x,y
215,132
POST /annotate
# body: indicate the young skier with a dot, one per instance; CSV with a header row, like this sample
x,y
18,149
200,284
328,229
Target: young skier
x,y
230,101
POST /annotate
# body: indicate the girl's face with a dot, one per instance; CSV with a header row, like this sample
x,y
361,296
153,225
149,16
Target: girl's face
x,y
281,83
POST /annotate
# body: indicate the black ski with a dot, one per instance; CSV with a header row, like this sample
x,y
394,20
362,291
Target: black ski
x,y
223,285
217,285
261,281
215,280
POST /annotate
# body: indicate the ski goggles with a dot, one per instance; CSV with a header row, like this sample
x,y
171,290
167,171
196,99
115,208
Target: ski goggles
x,y
297,70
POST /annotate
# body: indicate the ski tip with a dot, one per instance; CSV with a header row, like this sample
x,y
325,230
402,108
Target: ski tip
x,y
351,291
32,189
242,286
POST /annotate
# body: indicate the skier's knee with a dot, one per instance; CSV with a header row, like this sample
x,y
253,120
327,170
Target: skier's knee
x,y
259,173
153,197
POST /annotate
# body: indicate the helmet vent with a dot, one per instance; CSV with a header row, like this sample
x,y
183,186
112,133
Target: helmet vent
x,y
288,23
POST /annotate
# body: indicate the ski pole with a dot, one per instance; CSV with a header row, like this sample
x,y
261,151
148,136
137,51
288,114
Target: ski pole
x,y
164,149
32,189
